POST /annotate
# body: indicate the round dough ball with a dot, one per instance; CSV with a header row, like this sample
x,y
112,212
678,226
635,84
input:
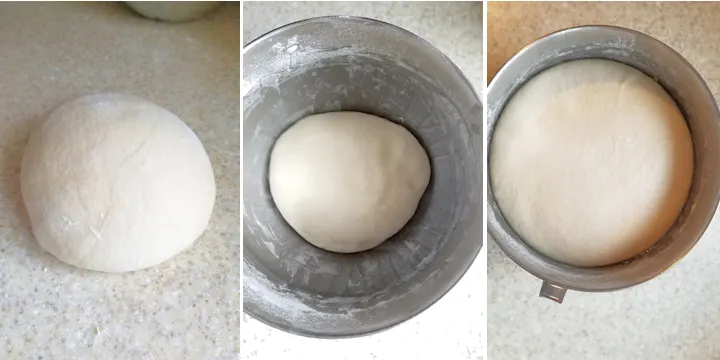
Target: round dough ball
x,y
173,11
347,181
114,183
591,162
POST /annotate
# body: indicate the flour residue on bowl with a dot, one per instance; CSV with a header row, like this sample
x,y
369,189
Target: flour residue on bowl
x,y
284,304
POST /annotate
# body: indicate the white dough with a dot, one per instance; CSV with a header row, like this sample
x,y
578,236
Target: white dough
x,y
591,162
114,183
347,181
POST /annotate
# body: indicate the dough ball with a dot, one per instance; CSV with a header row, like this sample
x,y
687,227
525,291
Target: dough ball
x,y
591,162
173,11
347,181
115,183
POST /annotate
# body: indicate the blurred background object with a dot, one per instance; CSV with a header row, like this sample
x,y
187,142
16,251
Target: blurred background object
x,y
173,11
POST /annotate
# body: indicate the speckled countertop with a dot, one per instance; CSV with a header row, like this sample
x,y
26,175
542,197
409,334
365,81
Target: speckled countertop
x,y
186,308
675,316
454,327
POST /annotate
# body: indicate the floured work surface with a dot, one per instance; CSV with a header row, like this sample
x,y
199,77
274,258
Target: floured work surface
x,y
189,306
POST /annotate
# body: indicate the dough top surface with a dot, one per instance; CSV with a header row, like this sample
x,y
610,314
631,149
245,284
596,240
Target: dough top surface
x,y
347,181
115,183
591,162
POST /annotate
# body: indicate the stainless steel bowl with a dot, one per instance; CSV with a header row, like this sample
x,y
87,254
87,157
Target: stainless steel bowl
x,y
347,63
698,106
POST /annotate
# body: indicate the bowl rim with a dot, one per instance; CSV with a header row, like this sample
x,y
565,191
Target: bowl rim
x,y
493,228
473,258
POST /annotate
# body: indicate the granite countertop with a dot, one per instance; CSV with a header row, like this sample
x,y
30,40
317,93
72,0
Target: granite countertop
x,y
186,308
674,316
454,327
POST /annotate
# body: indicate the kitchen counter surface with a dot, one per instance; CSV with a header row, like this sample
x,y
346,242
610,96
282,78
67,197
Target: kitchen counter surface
x,y
186,308
454,327
672,317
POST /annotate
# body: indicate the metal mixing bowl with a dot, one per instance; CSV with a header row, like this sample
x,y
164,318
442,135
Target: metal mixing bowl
x,y
354,64
698,106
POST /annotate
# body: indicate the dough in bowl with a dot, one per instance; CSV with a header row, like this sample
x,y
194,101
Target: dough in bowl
x,y
347,181
591,162
114,183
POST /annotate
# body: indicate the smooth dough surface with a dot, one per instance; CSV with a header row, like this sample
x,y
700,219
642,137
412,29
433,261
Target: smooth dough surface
x,y
114,183
347,181
591,162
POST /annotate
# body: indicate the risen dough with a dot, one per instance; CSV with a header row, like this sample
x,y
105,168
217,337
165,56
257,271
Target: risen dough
x,y
591,162
114,183
347,181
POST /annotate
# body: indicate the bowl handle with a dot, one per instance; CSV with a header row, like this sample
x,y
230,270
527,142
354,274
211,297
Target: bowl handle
x,y
552,292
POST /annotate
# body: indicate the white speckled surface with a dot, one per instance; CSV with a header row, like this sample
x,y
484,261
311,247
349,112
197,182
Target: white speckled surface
x,y
186,308
454,327
673,317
